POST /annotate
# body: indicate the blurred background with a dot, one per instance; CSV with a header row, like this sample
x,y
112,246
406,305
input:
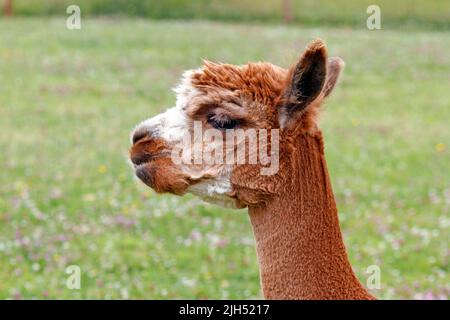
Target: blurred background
x,y
69,99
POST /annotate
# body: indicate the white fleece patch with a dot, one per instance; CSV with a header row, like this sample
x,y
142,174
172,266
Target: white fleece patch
x,y
214,191
172,124
171,127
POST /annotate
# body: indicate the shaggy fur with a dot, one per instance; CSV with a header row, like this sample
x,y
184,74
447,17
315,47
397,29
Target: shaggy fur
x,y
293,212
299,243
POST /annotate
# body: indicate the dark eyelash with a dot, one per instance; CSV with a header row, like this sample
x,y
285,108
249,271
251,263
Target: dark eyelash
x,y
222,122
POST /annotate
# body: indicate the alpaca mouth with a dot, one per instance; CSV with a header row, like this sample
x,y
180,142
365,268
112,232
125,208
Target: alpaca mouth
x,y
142,173
140,159
143,158
144,167
146,171
157,172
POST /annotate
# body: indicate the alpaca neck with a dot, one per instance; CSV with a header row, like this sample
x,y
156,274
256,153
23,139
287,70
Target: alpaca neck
x,y
299,242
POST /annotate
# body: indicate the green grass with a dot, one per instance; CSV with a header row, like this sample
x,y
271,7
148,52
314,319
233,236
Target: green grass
x,y
399,13
68,100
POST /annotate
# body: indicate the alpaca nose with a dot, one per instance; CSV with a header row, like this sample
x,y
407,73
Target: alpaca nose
x,y
139,134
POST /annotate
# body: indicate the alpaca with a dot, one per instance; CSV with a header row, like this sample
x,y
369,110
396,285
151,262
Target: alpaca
x,y
292,211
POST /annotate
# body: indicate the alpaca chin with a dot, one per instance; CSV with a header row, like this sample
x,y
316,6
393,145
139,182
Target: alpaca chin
x,y
216,191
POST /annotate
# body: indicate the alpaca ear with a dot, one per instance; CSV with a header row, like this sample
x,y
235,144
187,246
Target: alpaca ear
x,y
305,82
335,67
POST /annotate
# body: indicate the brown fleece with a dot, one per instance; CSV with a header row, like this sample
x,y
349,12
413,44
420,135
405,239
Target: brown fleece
x,y
293,212
299,243
155,167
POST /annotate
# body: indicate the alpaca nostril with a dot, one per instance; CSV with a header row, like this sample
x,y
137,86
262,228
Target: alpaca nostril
x,y
139,134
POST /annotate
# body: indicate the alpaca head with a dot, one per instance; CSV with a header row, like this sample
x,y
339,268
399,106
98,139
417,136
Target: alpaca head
x,y
210,144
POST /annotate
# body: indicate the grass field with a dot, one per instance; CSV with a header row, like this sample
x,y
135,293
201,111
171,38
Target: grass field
x,y
403,14
68,100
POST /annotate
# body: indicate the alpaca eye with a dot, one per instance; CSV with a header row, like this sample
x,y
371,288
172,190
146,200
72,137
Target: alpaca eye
x,y
222,123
